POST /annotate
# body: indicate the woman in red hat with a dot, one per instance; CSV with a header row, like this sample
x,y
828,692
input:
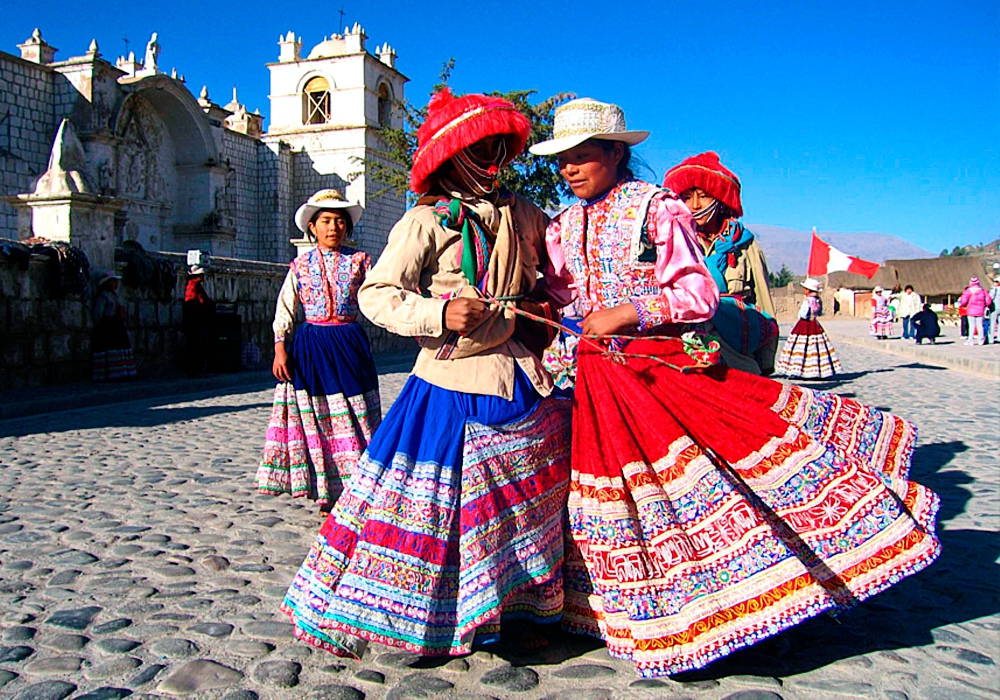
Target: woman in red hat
x,y
452,519
745,317
709,508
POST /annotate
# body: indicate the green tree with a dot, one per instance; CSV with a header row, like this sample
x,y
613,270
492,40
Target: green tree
x,y
959,250
535,178
782,278
944,253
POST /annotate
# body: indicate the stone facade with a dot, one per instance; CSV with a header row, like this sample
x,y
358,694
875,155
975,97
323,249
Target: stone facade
x,y
187,173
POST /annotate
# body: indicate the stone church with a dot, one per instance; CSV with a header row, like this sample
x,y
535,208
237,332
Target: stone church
x,y
157,165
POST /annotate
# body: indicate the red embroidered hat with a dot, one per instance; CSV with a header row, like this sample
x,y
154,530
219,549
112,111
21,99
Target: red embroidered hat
x,y
705,172
453,123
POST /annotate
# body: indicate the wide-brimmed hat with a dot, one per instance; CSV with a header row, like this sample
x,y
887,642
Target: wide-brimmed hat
x,y
330,200
810,284
877,289
973,280
196,270
108,275
579,120
454,123
706,172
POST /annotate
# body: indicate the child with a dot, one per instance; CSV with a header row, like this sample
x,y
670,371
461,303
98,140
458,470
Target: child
x,y
327,405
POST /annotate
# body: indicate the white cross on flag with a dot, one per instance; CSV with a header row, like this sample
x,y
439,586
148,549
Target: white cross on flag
x,y
824,259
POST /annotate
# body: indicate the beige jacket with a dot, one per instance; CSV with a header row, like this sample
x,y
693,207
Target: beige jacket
x,y
406,291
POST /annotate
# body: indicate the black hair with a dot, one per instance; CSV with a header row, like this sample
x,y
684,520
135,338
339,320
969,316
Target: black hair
x,y
630,161
343,212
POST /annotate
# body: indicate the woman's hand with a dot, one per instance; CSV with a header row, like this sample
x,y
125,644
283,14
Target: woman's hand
x,y
281,369
464,315
610,321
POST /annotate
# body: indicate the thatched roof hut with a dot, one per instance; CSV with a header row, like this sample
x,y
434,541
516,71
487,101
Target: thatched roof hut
x,y
936,279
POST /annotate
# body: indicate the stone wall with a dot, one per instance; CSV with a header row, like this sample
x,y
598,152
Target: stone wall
x,y
46,340
27,126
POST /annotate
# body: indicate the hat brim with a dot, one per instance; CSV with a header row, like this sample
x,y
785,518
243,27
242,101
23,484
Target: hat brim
x,y
305,213
556,146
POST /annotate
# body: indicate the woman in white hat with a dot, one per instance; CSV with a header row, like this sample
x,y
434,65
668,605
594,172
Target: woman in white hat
x,y
881,325
710,508
113,360
807,353
327,404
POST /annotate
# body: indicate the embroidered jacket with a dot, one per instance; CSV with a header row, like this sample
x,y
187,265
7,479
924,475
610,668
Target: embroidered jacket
x,y
635,245
321,286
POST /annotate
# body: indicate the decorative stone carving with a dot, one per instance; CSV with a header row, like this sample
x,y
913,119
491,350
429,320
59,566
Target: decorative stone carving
x,y
67,164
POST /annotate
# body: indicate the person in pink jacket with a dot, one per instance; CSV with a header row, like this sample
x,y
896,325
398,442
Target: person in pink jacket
x,y
974,300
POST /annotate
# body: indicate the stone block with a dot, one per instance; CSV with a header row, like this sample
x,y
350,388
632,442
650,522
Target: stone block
x,y
154,344
176,313
82,341
15,350
163,314
71,314
49,319
22,315
60,347
39,349
147,314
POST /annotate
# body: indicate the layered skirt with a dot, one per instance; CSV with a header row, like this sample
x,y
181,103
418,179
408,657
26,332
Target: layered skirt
x,y
113,359
807,353
321,421
881,324
711,509
452,521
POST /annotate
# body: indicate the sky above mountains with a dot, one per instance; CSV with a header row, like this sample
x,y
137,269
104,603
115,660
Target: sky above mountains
x,y
850,116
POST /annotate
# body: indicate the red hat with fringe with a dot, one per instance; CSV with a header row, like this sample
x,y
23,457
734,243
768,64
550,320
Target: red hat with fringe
x,y
705,172
454,123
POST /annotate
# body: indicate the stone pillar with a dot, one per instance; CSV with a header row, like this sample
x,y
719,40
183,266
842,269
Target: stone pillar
x,y
65,206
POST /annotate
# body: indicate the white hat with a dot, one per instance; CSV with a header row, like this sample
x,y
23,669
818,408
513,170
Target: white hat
x,y
877,289
579,120
325,199
196,270
810,284
108,275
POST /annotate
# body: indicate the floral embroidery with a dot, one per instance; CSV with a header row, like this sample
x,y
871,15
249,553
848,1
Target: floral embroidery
x,y
329,282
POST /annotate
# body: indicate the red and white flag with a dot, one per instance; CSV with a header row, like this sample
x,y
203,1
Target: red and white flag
x,y
824,259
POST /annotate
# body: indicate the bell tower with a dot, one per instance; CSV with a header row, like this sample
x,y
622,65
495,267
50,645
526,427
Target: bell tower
x,y
327,109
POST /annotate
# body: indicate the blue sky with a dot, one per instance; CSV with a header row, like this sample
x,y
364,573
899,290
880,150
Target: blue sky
x,y
849,116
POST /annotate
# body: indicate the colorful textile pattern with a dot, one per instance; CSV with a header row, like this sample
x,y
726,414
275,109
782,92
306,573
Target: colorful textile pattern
x,y
750,507
636,245
882,318
321,421
452,521
808,353
742,325
329,281
474,253
113,359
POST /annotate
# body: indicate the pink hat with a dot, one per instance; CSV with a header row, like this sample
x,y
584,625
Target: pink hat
x,y
974,280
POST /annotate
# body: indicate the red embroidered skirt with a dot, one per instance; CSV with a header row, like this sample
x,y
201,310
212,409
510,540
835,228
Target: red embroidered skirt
x,y
709,510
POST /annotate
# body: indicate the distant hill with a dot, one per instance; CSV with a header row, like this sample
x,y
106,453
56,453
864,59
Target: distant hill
x,y
783,246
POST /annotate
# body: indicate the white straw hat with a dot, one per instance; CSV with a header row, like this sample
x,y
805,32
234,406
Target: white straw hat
x,y
810,284
196,270
325,199
109,275
579,120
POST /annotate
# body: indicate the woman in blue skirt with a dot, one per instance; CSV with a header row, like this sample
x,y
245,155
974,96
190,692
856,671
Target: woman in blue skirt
x,y
326,406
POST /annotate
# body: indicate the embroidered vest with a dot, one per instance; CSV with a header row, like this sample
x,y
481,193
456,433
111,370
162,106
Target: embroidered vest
x,y
329,283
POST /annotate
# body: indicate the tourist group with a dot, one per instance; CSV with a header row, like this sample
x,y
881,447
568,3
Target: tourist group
x,y
588,439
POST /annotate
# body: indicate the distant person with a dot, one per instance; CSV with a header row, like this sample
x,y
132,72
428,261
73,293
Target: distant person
x,y
327,404
995,312
909,306
199,310
113,359
745,317
807,353
881,325
926,324
974,300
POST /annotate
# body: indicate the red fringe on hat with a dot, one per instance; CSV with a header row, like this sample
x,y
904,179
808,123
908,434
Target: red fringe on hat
x,y
453,123
707,173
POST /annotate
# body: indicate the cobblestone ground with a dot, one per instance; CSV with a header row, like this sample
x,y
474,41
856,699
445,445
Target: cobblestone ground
x,y
135,558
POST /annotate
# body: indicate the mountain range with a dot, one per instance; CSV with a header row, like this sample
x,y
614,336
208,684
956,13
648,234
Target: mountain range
x,y
783,246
